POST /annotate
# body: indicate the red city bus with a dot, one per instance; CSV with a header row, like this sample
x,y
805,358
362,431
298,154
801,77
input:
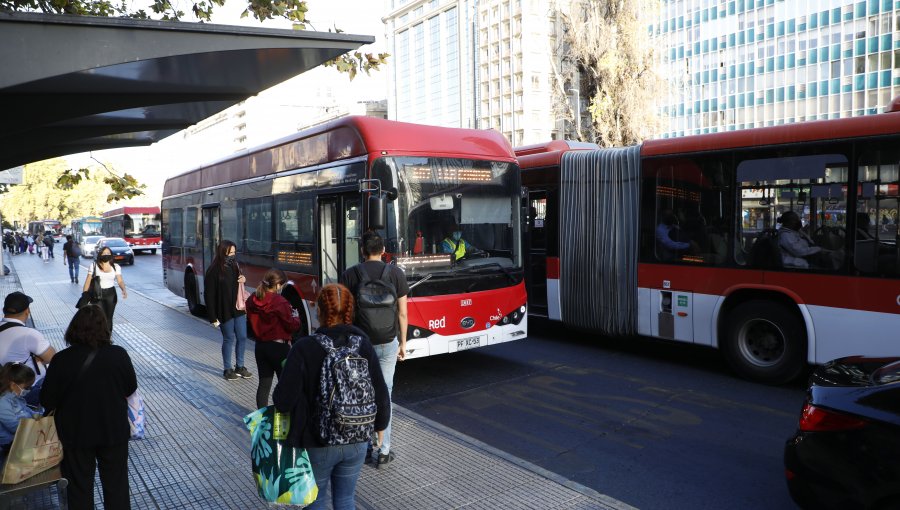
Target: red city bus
x,y
679,239
301,203
139,226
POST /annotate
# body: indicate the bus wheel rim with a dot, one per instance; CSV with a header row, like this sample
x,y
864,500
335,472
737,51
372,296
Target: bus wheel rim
x,y
762,343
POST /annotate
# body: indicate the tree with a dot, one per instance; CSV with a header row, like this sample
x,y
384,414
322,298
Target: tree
x,y
39,198
607,57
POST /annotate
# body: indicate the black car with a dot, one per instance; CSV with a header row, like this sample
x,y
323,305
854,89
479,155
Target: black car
x,y
122,253
846,453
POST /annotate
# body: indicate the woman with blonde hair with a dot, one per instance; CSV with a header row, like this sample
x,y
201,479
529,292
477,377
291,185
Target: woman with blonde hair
x,y
296,393
273,322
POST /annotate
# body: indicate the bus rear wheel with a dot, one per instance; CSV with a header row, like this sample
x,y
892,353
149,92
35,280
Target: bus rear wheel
x,y
192,295
764,341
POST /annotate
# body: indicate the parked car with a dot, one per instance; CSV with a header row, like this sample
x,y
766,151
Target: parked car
x,y
846,452
87,246
122,253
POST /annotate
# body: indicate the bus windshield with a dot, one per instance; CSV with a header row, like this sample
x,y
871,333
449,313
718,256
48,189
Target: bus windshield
x,y
452,214
141,225
92,227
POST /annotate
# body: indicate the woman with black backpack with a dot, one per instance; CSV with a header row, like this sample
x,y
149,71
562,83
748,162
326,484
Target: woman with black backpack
x,y
336,452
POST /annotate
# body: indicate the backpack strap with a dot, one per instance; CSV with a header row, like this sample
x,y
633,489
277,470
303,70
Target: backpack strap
x,y
7,325
325,342
362,274
386,274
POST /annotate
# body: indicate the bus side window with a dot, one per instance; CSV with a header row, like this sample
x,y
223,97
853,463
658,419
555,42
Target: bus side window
x,y
875,238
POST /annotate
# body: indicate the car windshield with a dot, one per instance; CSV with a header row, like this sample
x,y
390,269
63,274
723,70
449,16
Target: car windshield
x,y
115,243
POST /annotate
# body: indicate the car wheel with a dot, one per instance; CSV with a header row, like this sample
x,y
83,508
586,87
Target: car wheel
x,y
765,341
192,295
131,261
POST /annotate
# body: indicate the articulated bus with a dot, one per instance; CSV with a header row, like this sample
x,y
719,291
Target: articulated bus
x,y
679,239
139,226
86,226
301,203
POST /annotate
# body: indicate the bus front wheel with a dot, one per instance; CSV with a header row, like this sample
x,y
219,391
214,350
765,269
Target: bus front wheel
x,y
765,341
192,295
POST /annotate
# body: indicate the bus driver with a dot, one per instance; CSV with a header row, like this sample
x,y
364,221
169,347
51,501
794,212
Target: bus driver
x,y
454,243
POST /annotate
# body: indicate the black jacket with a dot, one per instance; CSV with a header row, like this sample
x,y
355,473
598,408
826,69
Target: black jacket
x,y
299,383
220,293
91,411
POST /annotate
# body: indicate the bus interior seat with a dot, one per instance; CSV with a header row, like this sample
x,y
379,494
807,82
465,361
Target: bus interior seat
x,y
765,252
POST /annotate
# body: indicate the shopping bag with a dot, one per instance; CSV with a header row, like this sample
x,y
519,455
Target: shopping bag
x,y
283,474
136,415
242,297
35,448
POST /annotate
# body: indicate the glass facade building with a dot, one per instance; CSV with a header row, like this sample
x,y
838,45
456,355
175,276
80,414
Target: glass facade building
x,y
737,64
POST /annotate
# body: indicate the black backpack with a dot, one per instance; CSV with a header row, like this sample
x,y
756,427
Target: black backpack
x,y
376,305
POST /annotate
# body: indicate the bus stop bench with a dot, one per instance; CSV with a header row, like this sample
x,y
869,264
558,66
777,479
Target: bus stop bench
x,y
10,494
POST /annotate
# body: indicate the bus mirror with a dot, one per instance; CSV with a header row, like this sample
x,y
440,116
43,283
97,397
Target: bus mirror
x,y
377,214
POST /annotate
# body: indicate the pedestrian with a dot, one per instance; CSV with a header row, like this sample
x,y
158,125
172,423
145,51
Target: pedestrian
x,y
221,290
49,242
87,386
72,252
21,344
42,246
110,275
23,244
273,323
296,393
30,241
382,314
15,384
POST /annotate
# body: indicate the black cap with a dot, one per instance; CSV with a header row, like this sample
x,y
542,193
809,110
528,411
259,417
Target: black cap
x,y
16,302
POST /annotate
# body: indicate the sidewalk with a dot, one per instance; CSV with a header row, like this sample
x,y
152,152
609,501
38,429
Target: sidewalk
x,y
195,454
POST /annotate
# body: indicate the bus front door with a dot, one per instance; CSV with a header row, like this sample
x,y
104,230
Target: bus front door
x,y
340,227
210,232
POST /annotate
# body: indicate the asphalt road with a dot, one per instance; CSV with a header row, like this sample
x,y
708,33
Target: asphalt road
x,y
653,424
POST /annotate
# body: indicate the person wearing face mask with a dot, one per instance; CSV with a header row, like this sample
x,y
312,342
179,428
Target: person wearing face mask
x,y
454,243
220,286
110,275
21,344
15,383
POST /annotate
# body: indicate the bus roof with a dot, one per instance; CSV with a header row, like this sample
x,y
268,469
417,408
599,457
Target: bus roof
x,y
344,138
131,210
549,154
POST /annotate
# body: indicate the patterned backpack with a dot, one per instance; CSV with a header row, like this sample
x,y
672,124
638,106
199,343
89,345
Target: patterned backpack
x,y
346,401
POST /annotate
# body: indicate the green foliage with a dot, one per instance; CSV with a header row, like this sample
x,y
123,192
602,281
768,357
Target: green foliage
x,y
53,191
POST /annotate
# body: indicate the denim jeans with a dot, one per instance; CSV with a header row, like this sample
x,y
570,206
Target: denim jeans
x,y
339,465
73,267
234,337
387,359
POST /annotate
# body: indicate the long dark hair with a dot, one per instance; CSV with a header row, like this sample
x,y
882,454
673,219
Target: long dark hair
x,y
88,327
18,373
222,254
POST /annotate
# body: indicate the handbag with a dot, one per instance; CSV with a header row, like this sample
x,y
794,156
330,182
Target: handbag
x,y
93,294
35,448
242,296
136,415
283,473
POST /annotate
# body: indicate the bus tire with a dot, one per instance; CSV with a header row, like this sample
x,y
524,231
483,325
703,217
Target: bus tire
x,y
765,342
192,295
153,251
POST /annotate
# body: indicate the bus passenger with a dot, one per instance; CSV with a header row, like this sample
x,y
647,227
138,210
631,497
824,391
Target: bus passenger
x,y
668,244
221,289
797,248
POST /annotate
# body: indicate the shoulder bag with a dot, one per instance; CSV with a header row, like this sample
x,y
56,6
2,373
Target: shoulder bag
x,y
242,295
94,293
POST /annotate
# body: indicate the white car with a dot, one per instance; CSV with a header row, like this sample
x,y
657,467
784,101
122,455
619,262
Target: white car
x,y
88,244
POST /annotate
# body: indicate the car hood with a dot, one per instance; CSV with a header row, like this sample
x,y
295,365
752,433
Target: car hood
x,y
864,386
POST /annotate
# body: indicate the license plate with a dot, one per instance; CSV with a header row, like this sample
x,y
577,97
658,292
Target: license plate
x,y
120,257
462,344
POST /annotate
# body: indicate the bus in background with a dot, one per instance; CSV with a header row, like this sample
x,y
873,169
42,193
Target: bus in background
x,y
41,227
86,226
302,203
139,226
681,239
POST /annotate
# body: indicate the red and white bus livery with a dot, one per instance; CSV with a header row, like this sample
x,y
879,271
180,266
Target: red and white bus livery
x,y
139,226
680,239
301,203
